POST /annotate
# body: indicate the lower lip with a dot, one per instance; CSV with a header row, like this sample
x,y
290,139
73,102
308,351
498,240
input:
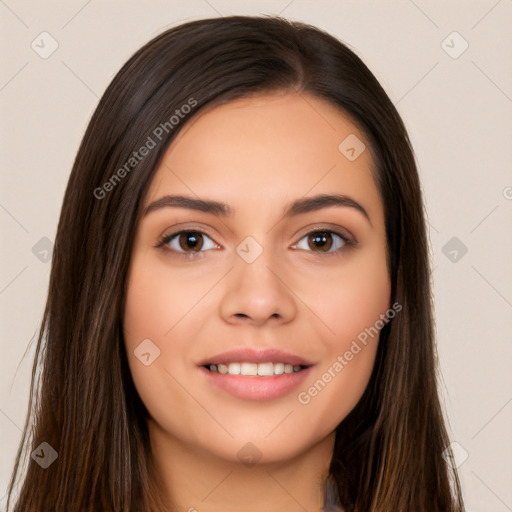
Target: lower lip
x,y
257,388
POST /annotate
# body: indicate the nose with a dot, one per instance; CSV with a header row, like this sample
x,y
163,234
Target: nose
x,y
257,293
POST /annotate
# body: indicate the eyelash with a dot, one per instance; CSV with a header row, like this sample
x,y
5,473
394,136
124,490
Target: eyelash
x,y
162,243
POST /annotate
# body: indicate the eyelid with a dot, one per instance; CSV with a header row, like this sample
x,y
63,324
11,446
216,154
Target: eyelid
x,y
185,227
342,232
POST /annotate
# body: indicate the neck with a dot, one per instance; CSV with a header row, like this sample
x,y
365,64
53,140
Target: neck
x,y
197,481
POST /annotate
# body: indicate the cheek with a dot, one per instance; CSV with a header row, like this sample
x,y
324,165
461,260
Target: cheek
x,y
155,304
153,308
157,299
150,311
358,304
351,305
352,299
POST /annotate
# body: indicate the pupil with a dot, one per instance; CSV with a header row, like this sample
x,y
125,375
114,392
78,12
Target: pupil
x,y
322,240
192,241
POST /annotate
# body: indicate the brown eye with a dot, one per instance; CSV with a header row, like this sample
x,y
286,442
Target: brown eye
x,y
321,240
188,243
190,240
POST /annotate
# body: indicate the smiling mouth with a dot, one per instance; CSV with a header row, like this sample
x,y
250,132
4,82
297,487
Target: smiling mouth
x,y
267,369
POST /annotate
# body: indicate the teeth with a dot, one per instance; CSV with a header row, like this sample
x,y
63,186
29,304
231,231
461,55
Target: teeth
x,y
234,368
254,369
249,369
265,369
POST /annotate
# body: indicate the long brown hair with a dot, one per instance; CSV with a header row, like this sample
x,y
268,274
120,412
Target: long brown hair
x,y
388,453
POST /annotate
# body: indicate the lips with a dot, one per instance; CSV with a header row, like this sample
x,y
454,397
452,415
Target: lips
x,y
233,372
252,355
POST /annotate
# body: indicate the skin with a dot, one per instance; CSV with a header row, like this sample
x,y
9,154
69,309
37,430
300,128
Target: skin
x,y
257,155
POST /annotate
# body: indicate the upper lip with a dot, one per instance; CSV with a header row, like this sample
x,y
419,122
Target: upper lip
x,y
253,355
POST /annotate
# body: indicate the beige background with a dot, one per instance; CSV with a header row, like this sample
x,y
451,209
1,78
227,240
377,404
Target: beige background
x,y
459,115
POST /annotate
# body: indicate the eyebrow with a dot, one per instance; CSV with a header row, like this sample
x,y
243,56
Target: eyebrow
x,y
220,209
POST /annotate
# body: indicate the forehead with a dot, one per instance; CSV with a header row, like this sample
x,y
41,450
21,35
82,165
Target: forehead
x,y
274,147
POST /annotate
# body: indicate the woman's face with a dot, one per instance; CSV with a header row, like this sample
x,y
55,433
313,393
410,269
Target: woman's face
x,y
294,260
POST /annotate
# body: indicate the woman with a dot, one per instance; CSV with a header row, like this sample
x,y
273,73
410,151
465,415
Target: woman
x,y
239,314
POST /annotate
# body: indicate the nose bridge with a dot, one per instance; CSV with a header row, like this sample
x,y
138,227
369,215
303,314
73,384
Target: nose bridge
x,y
255,291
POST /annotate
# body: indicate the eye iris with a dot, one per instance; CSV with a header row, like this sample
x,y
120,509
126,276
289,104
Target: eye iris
x,y
192,240
322,240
